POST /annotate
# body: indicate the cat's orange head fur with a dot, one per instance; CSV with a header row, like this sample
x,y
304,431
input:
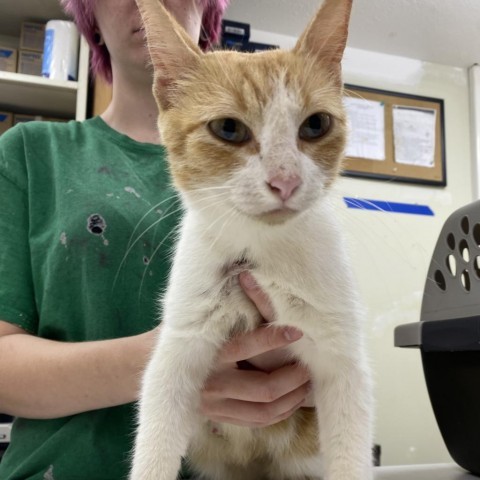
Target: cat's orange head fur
x,y
271,93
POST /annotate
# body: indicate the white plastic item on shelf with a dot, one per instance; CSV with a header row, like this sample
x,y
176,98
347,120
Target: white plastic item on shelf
x,y
60,53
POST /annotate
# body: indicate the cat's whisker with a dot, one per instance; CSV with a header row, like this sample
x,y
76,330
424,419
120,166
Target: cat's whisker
x,y
392,224
348,217
354,94
202,198
431,280
148,213
219,218
204,35
175,230
129,249
172,232
230,214
216,187
209,201
226,75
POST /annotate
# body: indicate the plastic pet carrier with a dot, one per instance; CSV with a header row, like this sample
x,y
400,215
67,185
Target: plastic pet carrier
x,y
448,335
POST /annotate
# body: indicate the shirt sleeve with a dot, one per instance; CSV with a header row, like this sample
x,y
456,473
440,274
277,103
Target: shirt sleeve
x,y
17,299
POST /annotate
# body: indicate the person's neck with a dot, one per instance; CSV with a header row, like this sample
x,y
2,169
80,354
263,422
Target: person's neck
x,y
133,110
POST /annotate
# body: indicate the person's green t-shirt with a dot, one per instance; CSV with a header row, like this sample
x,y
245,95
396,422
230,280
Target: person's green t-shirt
x,y
87,223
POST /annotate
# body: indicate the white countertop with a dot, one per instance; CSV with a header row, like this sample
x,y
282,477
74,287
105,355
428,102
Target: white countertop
x,y
423,472
447,471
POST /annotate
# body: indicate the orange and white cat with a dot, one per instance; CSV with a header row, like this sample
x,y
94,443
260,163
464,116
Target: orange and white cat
x,y
254,143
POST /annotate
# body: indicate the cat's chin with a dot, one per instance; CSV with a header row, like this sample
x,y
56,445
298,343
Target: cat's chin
x,y
277,216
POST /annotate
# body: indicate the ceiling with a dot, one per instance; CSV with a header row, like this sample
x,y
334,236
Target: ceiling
x,y
438,31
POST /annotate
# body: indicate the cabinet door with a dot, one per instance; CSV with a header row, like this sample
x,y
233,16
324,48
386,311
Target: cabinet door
x,y
102,94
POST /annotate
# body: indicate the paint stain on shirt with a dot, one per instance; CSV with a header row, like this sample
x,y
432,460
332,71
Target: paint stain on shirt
x,y
63,239
49,474
132,191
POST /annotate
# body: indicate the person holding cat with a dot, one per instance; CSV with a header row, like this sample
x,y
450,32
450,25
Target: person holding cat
x,y
88,221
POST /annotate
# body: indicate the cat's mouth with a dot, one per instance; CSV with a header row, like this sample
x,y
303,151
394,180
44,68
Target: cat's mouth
x,y
277,216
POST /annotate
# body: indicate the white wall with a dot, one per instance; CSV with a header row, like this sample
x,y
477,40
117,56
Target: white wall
x,y
391,252
474,77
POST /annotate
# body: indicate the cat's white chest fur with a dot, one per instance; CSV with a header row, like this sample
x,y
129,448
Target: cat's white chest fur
x,y
303,268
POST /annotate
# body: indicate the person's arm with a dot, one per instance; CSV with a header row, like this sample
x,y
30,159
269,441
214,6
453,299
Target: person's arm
x,y
42,379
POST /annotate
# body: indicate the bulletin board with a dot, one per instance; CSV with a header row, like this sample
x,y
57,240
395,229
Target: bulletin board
x,y
395,136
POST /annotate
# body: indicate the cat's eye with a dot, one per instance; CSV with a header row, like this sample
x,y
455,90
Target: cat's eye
x,y
230,129
315,126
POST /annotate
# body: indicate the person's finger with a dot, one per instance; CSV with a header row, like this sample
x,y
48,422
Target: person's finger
x,y
256,295
256,386
243,423
256,414
258,341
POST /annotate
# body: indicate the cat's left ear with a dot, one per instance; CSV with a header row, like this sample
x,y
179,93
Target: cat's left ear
x,y
172,50
326,36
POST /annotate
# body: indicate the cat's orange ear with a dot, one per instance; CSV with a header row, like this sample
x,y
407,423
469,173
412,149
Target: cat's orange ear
x,y
172,51
326,36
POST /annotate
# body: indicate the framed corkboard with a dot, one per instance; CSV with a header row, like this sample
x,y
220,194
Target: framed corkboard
x,y
395,136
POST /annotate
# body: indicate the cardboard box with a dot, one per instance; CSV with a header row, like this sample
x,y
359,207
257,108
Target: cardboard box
x,y
236,29
32,36
30,63
22,118
55,119
8,59
258,47
6,121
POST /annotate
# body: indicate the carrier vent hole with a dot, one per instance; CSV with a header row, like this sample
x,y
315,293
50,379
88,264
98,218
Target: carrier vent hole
x,y
451,239
464,251
452,264
476,234
440,280
476,266
466,280
465,224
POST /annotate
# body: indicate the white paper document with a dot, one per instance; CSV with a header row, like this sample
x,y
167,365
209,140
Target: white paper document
x,y
414,135
366,119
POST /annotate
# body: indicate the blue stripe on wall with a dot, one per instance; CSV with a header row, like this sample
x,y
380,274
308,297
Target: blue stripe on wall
x,y
388,207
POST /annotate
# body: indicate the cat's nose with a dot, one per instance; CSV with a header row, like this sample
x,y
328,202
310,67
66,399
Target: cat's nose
x,y
284,187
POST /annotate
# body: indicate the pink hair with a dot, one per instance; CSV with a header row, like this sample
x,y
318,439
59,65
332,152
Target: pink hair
x,y
82,13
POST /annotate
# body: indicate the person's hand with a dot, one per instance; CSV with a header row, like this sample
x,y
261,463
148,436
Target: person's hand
x,y
260,396
273,359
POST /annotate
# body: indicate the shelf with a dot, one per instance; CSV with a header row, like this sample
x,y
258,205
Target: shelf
x,y
32,94
36,95
13,12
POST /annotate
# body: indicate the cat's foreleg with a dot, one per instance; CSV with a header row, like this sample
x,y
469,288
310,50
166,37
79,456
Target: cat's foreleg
x,y
344,410
342,391
169,400
332,348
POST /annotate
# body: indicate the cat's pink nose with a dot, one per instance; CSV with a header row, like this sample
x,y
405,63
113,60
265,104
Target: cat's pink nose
x,y
284,187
